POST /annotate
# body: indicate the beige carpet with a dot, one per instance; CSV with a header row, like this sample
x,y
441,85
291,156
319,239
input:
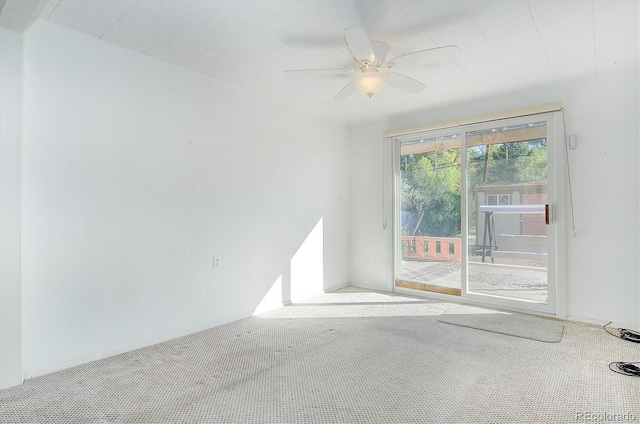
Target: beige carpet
x,y
509,323
345,357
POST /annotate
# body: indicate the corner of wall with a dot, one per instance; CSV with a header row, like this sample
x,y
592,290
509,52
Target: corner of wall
x,y
10,188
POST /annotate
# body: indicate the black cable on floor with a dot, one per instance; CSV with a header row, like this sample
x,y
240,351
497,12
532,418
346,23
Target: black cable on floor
x,y
626,368
624,334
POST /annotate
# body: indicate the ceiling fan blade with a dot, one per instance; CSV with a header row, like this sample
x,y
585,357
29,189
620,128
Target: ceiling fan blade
x,y
425,57
359,44
405,83
380,51
293,73
348,90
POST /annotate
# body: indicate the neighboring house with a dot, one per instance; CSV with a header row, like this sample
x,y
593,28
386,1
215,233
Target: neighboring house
x,y
504,193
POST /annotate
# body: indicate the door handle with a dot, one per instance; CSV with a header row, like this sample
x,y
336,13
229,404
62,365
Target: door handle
x,y
546,214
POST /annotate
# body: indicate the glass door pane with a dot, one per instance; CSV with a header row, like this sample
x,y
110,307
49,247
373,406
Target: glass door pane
x,y
507,211
430,214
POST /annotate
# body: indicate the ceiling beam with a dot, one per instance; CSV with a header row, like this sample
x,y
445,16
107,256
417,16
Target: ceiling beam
x,y
18,15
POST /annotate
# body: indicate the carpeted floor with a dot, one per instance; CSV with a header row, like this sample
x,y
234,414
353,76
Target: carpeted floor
x,y
351,356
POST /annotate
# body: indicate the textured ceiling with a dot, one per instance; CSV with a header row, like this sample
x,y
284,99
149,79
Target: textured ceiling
x,y
505,46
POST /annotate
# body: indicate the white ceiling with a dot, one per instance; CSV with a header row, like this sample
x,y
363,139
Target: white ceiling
x,y
505,46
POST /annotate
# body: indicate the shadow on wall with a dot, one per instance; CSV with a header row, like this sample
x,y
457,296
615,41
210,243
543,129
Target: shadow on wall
x,y
305,277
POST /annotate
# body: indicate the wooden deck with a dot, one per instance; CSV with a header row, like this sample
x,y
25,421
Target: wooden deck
x,y
512,281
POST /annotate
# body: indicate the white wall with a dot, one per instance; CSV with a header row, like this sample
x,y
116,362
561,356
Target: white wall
x,y
371,224
136,173
602,281
10,134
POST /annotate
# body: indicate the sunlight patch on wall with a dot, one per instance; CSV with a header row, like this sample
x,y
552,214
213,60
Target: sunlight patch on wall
x,y
307,266
273,298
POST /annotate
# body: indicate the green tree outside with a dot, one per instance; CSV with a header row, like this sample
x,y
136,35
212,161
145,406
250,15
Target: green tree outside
x,y
430,182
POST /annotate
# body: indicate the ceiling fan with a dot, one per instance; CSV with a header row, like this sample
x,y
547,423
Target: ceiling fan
x,y
374,70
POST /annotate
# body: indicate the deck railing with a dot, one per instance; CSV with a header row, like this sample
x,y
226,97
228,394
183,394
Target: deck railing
x,y
431,248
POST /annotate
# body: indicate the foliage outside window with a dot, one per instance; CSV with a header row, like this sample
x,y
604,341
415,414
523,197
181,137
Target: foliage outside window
x,y
431,180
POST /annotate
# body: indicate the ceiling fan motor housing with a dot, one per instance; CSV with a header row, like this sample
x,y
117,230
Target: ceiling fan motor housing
x,y
370,81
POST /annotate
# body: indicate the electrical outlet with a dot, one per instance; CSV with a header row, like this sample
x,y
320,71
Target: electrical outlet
x,y
216,262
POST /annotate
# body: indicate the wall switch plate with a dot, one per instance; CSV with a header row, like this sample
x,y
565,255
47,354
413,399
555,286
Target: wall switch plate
x,y
572,142
216,262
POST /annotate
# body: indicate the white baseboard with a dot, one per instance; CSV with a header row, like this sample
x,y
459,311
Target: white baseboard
x,y
117,351
601,323
334,288
371,287
128,348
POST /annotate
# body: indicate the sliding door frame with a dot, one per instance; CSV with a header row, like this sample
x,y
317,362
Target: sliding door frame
x,y
556,163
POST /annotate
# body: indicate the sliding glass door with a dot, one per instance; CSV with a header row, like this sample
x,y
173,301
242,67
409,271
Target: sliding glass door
x,y
474,212
508,212
430,213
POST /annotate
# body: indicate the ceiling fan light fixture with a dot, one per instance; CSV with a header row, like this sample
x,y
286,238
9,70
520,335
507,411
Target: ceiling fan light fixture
x,y
370,81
